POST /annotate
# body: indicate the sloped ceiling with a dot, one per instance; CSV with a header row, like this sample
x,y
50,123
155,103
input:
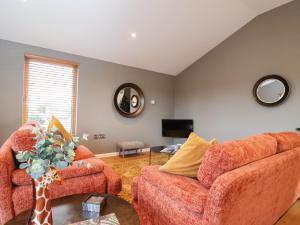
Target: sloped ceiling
x,y
170,35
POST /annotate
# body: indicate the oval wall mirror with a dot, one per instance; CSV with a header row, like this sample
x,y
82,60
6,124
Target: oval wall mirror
x,y
271,90
129,100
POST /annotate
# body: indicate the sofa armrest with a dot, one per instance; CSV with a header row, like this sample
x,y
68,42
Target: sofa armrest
x,y
82,152
258,193
164,198
114,182
179,188
7,165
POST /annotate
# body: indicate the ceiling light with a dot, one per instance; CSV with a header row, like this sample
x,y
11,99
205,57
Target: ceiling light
x,y
133,35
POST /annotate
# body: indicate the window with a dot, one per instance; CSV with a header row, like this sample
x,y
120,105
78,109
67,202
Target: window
x,y
50,89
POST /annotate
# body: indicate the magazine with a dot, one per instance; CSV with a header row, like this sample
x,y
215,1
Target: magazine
x,y
109,219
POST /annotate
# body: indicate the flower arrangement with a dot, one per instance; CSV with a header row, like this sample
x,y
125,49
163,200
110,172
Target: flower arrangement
x,y
50,151
53,150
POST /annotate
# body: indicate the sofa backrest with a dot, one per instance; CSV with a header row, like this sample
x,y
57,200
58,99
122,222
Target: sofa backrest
x,y
227,156
286,140
13,142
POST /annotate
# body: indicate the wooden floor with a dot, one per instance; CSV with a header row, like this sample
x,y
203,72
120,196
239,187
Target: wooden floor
x,y
291,217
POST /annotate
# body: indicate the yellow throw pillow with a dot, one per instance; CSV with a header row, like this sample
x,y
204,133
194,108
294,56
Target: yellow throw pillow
x,y
188,158
55,122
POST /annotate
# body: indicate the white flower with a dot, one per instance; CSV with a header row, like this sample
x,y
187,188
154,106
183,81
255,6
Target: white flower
x,y
89,165
80,163
76,139
85,136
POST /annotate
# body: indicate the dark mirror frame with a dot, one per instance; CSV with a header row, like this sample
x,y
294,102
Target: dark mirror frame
x,y
276,77
141,100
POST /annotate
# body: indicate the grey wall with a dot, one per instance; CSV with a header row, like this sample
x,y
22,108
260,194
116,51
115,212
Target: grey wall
x,y
98,81
216,91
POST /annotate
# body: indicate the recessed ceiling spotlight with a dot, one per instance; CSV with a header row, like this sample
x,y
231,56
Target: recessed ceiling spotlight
x,y
133,35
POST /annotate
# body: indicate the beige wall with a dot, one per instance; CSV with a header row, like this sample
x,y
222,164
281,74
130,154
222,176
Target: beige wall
x,y
216,91
96,113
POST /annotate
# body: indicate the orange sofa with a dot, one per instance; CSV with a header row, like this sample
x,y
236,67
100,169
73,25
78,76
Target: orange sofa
x,y
244,182
16,185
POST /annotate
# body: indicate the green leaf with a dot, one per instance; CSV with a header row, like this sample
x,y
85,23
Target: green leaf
x,y
57,137
75,140
59,156
36,130
72,145
23,156
23,165
37,168
47,143
51,149
61,164
39,144
54,129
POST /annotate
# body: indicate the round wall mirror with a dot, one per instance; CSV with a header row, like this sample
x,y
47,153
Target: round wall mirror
x,y
129,100
271,90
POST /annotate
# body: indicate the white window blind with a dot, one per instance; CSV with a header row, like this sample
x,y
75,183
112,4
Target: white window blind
x,y
50,89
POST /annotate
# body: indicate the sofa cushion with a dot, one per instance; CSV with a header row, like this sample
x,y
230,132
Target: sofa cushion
x,y
23,139
82,152
186,191
286,140
221,158
188,158
20,177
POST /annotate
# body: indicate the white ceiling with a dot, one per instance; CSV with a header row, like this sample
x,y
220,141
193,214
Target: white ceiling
x,y
171,34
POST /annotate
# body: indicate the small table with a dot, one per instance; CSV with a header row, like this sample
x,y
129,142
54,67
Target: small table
x,y
127,146
68,210
158,149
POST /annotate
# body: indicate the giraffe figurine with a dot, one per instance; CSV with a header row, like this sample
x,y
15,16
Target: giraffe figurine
x,y
41,213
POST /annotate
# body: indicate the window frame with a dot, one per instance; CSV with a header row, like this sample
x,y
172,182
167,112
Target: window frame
x,y
53,61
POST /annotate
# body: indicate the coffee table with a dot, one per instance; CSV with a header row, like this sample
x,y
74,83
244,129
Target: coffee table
x,y
158,149
68,210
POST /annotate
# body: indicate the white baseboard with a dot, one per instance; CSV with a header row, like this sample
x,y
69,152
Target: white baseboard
x,y
111,154
104,155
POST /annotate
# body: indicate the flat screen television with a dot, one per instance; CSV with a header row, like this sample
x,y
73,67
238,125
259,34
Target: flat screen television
x,y
177,128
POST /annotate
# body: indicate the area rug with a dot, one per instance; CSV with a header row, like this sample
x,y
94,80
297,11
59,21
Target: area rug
x,y
131,166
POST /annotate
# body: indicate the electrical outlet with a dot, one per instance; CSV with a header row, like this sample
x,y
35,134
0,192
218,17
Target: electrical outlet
x,y
99,136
